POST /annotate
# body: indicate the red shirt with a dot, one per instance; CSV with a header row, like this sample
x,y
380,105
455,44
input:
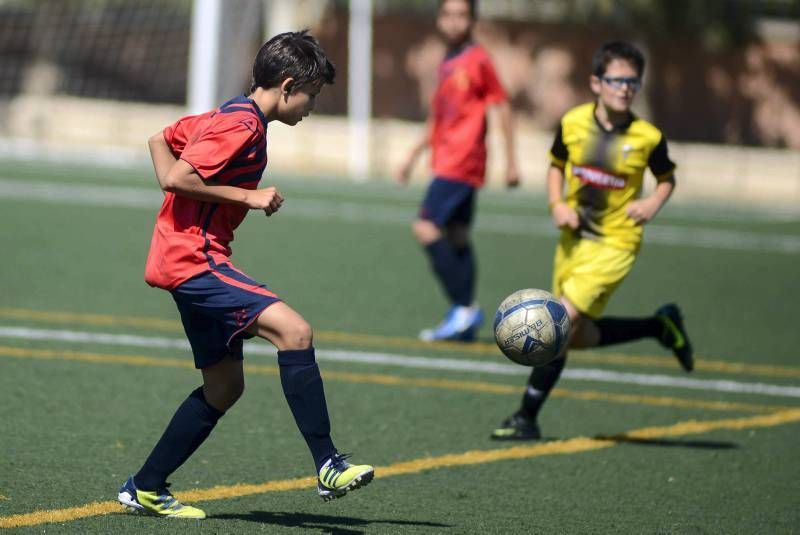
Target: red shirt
x,y
225,146
467,86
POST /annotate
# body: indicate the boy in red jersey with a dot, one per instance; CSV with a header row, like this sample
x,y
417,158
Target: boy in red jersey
x,y
456,133
209,167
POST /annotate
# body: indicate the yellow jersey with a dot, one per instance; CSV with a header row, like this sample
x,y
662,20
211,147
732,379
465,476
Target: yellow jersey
x,y
604,172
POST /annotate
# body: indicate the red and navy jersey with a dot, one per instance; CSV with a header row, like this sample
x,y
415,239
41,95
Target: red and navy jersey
x,y
226,146
468,84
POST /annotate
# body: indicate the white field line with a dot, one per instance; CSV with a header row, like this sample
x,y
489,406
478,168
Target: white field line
x,y
29,150
109,159
518,225
407,361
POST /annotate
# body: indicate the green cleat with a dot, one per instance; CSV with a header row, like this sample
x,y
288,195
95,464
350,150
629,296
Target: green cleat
x,y
159,503
674,336
517,427
337,477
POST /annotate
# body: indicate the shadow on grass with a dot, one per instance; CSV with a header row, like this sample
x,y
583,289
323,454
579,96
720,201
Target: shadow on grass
x,y
700,444
329,524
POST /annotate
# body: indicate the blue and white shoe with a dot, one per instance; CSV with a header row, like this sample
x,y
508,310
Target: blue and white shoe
x,y
470,333
460,323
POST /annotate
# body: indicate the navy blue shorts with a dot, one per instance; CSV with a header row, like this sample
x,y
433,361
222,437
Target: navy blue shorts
x,y
216,307
448,202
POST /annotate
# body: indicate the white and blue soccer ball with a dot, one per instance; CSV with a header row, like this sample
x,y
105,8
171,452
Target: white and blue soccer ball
x,y
531,327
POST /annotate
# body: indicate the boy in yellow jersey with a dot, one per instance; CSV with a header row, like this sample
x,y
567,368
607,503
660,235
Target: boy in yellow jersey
x,y
602,150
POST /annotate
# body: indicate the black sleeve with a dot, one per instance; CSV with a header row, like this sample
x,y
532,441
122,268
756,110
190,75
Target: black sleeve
x,y
559,151
659,161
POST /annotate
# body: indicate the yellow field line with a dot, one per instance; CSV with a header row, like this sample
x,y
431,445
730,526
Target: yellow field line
x,y
370,340
394,380
586,395
694,427
90,319
82,356
415,466
391,380
665,401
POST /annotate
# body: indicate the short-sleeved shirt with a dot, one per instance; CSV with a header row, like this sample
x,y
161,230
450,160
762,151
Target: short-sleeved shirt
x,y
605,171
468,84
226,146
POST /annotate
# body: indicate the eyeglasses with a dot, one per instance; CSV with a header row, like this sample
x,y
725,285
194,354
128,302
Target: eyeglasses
x,y
619,82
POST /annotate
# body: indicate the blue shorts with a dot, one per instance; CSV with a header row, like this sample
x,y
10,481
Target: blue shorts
x,y
216,307
448,202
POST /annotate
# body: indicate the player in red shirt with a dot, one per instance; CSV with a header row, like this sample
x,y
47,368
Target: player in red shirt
x,y
209,167
456,133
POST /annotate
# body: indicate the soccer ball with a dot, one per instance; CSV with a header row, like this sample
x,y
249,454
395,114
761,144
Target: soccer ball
x,y
531,327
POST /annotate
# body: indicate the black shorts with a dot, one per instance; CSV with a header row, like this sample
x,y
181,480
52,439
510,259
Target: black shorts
x,y
448,202
216,308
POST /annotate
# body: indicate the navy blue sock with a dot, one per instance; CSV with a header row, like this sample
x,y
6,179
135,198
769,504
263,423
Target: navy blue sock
x,y
619,330
302,386
445,265
468,270
189,427
540,383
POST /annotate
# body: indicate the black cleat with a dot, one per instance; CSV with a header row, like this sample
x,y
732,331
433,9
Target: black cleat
x,y
517,427
674,336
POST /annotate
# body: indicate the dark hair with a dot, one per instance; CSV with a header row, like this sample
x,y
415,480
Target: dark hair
x,y
473,7
291,55
617,50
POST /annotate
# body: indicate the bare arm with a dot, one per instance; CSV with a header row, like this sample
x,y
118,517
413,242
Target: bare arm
x,y
563,216
644,210
404,173
162,157
506,116
179,177
183,180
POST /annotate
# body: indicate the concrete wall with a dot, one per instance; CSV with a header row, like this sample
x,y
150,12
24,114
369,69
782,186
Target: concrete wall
x,y
319,146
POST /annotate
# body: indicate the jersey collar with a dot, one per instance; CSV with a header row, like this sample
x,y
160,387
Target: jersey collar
x,y
454,53
258,111
617,128
245,100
